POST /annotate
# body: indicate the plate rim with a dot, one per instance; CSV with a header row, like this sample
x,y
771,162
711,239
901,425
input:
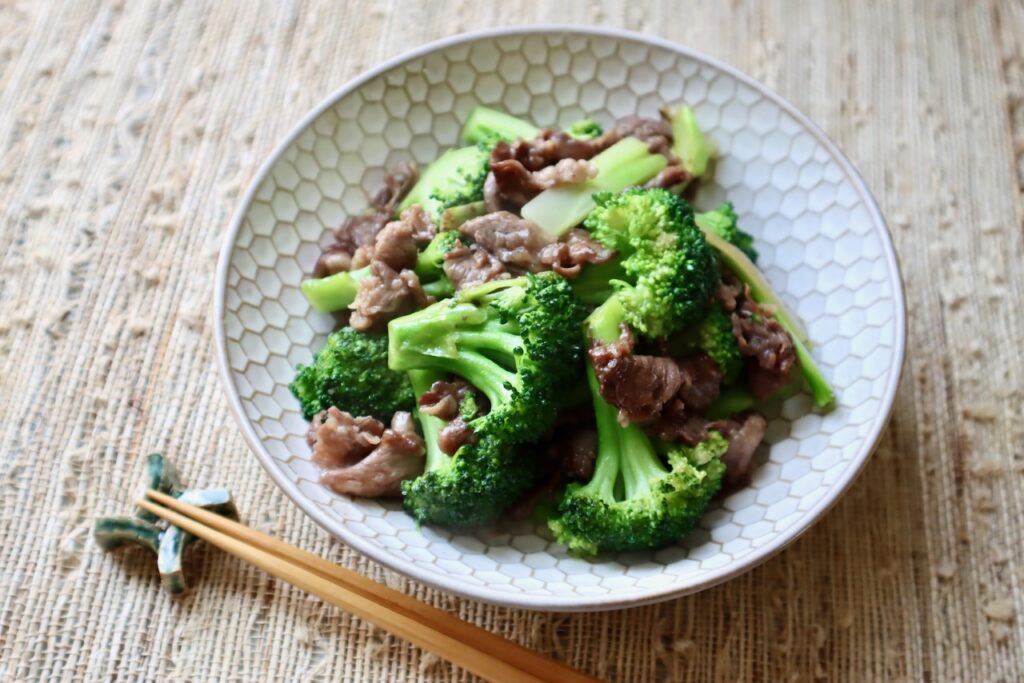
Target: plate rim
x,y
559,603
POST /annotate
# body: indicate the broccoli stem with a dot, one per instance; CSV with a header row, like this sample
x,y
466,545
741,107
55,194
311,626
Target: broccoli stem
x,y
487,125
693,149
593,286
439,289
421,381
626,163
334,292
626,450
495,381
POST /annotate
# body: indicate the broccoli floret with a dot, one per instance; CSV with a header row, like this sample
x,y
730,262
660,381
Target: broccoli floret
x,y
634,501
712,335
585,129
455,178
517,341
473,485
430,261
670,270
351,373
722,222
488,126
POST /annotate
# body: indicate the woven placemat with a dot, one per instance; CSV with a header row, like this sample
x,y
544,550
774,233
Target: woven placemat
x,y
128,131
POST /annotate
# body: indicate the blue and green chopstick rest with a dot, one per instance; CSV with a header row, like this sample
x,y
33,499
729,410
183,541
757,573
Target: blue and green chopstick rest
x,y
146,529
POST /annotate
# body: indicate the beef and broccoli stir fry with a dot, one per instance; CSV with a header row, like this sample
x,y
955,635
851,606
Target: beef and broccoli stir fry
x,y
539,324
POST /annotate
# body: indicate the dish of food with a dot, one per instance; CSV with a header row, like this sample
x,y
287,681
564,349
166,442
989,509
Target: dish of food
x,y
821,245
540,326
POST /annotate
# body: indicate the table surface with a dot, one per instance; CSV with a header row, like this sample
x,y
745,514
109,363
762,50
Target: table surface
x,y
128,131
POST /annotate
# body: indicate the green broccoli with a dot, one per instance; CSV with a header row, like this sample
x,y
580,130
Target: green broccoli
x,y
515,340
670,272
455,216
634,501
585,129
473,485
351,372
722,222
626,163
455,178
488,126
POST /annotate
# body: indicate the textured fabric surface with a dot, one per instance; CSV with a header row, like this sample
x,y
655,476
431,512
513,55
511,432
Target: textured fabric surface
x,y
128,131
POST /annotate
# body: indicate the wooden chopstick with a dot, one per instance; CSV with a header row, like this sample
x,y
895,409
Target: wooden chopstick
x,y
484,653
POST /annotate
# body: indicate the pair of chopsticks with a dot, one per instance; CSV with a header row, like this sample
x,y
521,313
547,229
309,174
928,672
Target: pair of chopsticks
x,y
483,653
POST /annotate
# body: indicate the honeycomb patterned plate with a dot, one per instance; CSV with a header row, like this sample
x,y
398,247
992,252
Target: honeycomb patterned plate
x,y
823,244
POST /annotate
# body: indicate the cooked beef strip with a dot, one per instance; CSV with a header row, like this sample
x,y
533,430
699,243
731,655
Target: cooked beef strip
x,y
333,260
396,244
443,398
655,132
701,382
359,231
454,435
676,424
669,177
768,347
744,435
514,184
397,456
637,385
567,256
729,292
546,149
386,294
398,180
514,241
339,439
472,265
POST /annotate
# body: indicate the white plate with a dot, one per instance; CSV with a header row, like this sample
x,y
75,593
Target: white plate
x,y
823,244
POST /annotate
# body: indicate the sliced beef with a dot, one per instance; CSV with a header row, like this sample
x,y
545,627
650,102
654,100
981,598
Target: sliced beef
x,y
677,424
397,456
334,259
546,149
701,380
567,256
637,385
398,180
472,265
744,435
359,231
515,241
512,184
339,439
767,346
386,294
729,292
656,133
443,398
669,177
455,435
397,244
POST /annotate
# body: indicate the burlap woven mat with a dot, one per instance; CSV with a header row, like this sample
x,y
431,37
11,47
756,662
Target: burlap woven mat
x,y
128,130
